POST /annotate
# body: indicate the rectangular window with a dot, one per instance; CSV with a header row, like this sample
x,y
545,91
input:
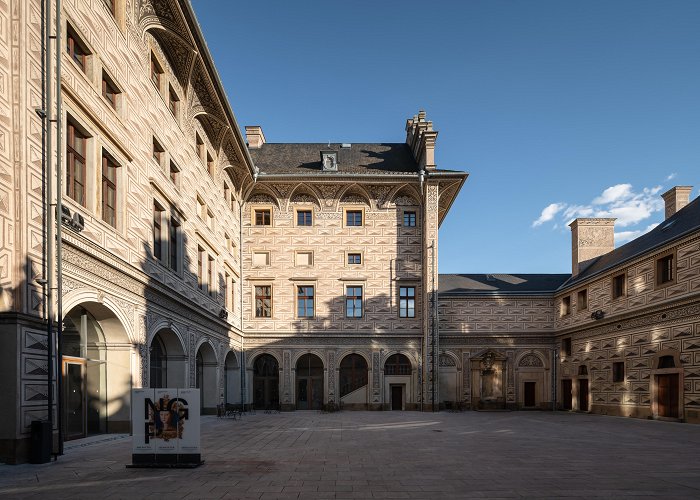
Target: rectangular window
x,y
353,302
156,72
158,152
199,146
304,218
76,147
263,216
353,218
354,259
305,301
261,259
212,276
109,90
263,301
157,231
173,244
200,267
566,346
109,189
565,306
173,101
76,49
224,290
619,286
409,219
210,220
665,270
210,165
174,174
582,300
407,302
201,209
618,369
304,259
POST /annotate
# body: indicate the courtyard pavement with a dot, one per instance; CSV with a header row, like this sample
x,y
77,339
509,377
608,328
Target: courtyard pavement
x,y
390,455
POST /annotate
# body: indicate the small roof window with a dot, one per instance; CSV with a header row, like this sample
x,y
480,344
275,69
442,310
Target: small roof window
x,y
329,161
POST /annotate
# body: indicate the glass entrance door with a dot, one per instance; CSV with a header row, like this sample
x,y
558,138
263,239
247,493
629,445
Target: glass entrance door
x,y
74,402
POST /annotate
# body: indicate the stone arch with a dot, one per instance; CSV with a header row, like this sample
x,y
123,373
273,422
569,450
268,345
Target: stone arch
x,y
411,358
309,381
167,359
524,358
252,355
302,352
164,324
364,354
449,379
264,384
354,191
398,196
96,361
232,377
353,380
82,295
263,195
206,376
303,190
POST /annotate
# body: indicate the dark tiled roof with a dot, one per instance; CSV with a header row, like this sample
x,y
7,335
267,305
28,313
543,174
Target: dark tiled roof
x,y
682,222
500,284
388,158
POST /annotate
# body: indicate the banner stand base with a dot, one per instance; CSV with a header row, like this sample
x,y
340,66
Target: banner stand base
x,y
165,461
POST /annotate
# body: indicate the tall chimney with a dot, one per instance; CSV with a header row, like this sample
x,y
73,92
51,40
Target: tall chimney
x,y
676,198
255,136
421,137
590,238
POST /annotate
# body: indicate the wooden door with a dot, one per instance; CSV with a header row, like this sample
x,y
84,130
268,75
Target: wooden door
x,y
583,394
397,397
566,394
667,395
529,394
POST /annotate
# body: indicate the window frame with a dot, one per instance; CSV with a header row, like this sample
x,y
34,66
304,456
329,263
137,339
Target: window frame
x,y
579,294
352,252
565,306
71,154
306,299
613,289
347,211
108,161
158,152
79,57
157,73
303,210
409,299
618,371
410,213
660,269
174,173
173,101
109,87
269,297
566,347
261,208
354,299
268,258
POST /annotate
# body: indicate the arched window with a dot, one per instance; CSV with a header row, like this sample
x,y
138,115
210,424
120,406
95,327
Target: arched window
x,y
158,362
397,364
309,365
582,370
353,374
667,362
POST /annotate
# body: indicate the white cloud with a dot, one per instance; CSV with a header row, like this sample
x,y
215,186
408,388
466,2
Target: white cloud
x,y
548,213
671,176
614,194
622,202
625,236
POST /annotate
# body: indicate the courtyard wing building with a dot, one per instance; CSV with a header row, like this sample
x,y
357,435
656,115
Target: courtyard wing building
x,y
285,276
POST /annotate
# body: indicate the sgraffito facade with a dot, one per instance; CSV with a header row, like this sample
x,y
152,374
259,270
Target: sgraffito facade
x,y
286,276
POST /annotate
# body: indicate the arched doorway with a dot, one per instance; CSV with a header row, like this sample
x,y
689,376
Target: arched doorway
x,y
206,380
96,372
309,386
232,379
353,381
397,380
167,361
266,381
449,382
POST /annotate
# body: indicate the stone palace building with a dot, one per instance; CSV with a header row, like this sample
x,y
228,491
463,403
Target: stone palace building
x,y
289,276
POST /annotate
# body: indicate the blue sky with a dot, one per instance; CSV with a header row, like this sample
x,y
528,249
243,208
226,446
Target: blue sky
x,y
556,109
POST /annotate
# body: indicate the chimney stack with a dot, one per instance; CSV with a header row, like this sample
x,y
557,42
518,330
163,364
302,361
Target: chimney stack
x,y
590,238
255,136
676,198
421,137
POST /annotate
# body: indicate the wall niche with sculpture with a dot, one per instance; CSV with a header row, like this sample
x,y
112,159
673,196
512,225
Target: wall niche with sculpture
x,y
489,369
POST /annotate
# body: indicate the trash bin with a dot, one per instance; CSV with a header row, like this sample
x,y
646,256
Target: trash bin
x,y
40,442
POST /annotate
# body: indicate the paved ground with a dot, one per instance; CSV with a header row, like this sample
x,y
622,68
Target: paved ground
x,y
390,455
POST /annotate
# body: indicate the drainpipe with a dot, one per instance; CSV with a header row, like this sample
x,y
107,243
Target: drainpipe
x,y
59,211
240,302
554,378
49,241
